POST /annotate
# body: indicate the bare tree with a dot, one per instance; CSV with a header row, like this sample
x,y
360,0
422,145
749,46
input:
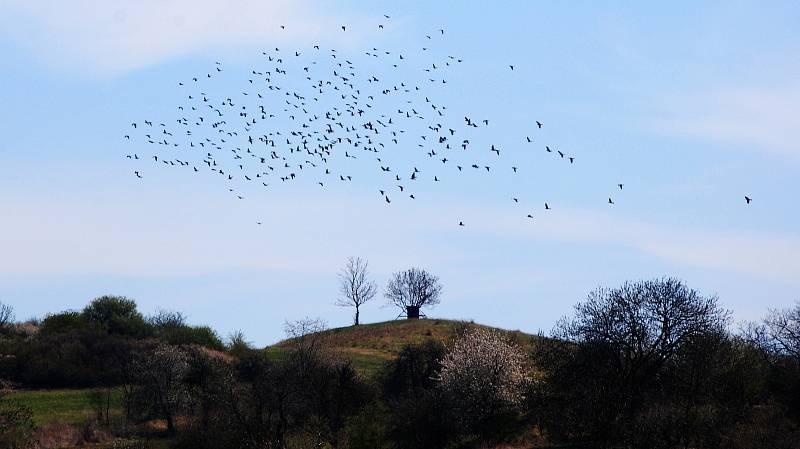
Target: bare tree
x,y
619,366
304,327
6,315
306,334
167,319
413,288
646,322
354,286
780,332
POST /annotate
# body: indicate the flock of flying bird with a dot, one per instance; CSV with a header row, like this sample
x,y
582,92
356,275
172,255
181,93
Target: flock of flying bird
x,y
312,114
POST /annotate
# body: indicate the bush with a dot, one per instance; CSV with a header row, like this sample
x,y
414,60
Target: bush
x,y
369,429
418,416
116,315
192,335
415,368
16,425
63,323
171,328
237,345
484,378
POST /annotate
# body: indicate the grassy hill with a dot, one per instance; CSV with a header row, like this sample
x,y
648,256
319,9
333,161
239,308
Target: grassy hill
x,y
370,346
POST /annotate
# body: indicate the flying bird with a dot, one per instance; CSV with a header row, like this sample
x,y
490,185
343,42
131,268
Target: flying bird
x,y
304,126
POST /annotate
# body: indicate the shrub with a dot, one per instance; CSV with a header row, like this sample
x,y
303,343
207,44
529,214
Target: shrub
x,y
484,378
16,425
116,315
415,368
63,323
418,416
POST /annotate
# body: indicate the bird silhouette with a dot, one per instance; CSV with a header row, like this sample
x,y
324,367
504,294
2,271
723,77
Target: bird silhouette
x,y
313,115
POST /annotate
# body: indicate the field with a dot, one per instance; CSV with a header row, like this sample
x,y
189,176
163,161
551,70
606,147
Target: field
x,y
57,410
68,406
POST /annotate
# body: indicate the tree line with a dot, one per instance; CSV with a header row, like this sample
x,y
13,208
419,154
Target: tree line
x,y
647,364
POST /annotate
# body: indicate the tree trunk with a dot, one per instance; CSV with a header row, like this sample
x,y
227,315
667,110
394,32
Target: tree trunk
x,y
356,315
108,405
170,425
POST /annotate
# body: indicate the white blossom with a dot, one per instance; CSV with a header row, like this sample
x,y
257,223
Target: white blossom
x,y
483,373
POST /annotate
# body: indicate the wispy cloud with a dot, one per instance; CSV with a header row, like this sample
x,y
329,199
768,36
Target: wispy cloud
x,y
112,36
164,234
764,119
765,256
160,234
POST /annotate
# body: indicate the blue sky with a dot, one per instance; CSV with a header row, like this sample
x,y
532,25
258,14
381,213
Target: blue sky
x,y
690,105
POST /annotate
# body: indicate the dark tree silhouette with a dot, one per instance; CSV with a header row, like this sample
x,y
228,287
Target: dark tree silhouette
x,y
781,332
354,285
413,289
631,360
6,315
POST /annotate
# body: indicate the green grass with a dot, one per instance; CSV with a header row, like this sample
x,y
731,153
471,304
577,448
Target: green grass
x,y
67,406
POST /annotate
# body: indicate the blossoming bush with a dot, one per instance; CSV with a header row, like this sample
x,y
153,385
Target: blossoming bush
x,y
484,377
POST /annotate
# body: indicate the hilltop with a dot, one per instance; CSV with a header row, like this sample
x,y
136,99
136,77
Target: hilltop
x,y
370,346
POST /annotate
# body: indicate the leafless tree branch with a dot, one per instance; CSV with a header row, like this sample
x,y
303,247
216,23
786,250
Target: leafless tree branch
x,y
354,285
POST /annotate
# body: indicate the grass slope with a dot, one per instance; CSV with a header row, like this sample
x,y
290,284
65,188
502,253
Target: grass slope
x,y
370,346
67,406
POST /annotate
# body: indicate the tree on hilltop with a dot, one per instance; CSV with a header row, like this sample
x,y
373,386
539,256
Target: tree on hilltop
x,y
354,285
413,289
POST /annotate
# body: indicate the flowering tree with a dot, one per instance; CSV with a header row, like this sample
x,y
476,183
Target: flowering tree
x,y
160,390
484,376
